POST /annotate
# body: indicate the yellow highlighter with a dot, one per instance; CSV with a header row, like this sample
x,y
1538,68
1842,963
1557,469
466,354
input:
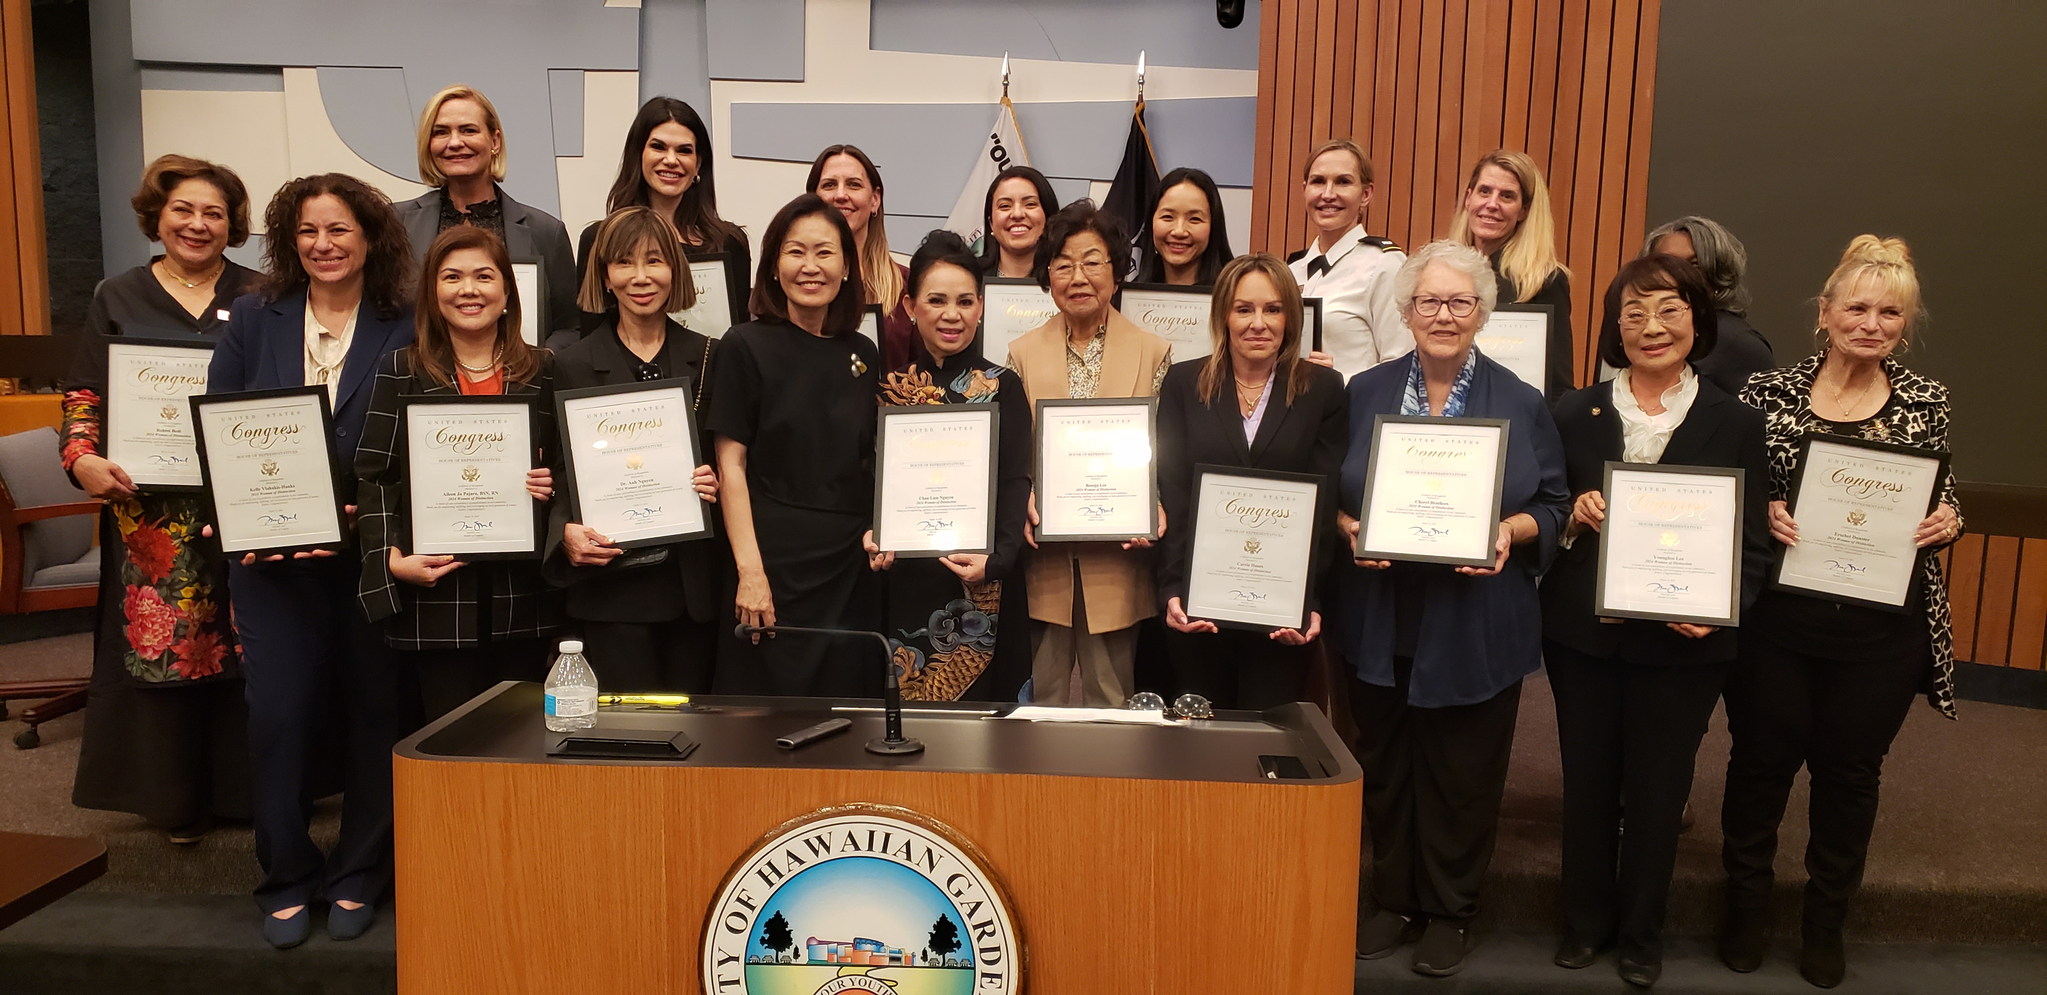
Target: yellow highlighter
x,y
644,700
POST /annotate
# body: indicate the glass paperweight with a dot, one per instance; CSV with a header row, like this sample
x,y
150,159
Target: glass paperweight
x,y
1193,706
1145,701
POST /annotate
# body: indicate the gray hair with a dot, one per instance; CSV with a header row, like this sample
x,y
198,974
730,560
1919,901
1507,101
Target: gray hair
x,y
1458,257
1721,257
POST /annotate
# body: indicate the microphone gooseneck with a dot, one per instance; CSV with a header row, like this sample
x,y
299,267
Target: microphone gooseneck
x,y
892,742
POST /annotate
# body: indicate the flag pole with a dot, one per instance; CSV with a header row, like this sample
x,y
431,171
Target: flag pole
x,y
1005,75
1140,76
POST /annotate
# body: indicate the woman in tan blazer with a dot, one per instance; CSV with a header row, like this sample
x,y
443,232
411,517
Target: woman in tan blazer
x,y
1089,595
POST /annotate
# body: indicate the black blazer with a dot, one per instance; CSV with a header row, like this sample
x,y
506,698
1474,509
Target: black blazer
x,y
1739,353
1718,431
530,233
1309,436
612,593
1558,354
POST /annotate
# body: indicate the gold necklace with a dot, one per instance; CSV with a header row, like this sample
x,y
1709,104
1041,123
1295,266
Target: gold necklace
x,y
1860,395
165,263
485,368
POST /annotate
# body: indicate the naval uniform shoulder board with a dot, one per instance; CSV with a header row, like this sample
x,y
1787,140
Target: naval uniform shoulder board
x,y
1296,256
1378,242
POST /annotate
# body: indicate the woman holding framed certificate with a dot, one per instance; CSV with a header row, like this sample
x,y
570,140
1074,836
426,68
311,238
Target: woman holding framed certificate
x,y
649,615
450,554
165,736
339,297
946,610
847,179
1634,670
1350,271
1448,451
792,407
1505,215
1257,404
1856,622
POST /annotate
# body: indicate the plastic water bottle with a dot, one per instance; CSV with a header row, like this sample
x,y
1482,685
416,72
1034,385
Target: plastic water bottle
x,y
571,690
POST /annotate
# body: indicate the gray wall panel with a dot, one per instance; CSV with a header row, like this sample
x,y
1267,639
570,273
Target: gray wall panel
x,y
757,39
258,79
1171,32
674,59
376,119
117,120
565,94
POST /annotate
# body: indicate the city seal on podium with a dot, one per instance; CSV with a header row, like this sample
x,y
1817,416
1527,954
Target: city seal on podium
x,y
861,900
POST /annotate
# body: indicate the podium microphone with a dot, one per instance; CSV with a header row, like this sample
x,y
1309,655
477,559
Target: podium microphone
x,y
892,742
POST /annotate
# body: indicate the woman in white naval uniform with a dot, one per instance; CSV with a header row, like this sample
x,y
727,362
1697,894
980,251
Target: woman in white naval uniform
x,y
1350,271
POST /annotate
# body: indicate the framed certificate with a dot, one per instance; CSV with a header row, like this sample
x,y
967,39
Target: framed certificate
x,y
1857,505
148,430
1432,490
268,459
1670,548
1013,306
1311,322
711,315
870,323
1517,337
1252,561
632,453
466,459
1174,313
1095,479
934,481
530,276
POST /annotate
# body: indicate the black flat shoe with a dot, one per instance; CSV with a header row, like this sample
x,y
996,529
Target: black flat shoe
x,y
1641,975
288,932
347,924
1384,932
1744,939
1822,959
1577,954
1440,952
191,832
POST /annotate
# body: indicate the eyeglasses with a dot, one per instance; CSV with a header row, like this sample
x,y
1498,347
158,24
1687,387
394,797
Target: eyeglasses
x,y
1092,267
1635,319
646,372
1460,306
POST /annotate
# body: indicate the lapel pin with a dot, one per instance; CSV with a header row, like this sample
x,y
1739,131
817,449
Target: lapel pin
x,y
1595,412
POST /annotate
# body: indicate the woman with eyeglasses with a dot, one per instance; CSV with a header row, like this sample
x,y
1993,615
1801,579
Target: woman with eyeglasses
x,y
650,617
1439,651
1089,595
1633,696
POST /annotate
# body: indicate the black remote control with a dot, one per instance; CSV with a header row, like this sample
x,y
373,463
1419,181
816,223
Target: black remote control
x,y
805,737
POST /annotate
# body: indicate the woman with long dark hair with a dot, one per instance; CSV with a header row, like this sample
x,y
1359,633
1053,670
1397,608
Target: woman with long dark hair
x,y
1019,201
1185,242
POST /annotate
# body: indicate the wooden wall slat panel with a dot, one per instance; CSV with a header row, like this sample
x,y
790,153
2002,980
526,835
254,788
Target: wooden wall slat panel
x,y
1588,144
1449,119
11,305
1642,108
1345,81
1544,72
1993,619
1612,200
1514,111
2029,610
1268,214
1404,110
1483,121
1324,110
1965,589
1385,85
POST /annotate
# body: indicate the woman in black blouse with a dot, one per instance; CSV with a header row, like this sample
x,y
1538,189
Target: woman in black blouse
x,y
1184,241
793,409
1505,215
1019,202
945,614
165,735
1820,684
1255,402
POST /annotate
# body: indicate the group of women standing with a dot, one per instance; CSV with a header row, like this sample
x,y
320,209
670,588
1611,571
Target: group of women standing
x,y
377,302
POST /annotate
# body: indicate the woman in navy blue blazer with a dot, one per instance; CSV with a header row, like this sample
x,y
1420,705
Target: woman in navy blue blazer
x,y
337,300
1439,652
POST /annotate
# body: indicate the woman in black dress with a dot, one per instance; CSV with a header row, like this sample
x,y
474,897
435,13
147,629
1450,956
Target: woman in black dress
x,y
649,618
945,614
793,410
166,732
1505,215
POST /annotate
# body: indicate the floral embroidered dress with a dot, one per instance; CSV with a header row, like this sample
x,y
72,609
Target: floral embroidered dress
x,y
948,638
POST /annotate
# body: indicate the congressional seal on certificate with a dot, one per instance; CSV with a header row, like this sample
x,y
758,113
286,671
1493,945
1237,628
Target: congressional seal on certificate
x,y
1096,476
1432,490
1670,548
1858,504
934,481
632,454
148,430
268,460
1251,564
466,459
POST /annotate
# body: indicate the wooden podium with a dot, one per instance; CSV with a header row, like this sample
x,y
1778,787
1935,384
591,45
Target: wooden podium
x,y
1136,858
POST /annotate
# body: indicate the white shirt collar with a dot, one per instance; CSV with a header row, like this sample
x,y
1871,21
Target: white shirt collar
x,y
1344,244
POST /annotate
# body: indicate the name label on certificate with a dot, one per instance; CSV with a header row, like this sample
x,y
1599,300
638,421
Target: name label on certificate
x,y
1432,490
632,455
1095,479
1252,558
148,429
1177,314
711,315
1858,505
1670,548
269,463
934,488
465,476
1013,306
1517,337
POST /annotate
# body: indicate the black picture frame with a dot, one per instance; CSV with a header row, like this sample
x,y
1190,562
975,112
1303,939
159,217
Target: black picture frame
x,y
156,338
533,308
981,333
1197,291
1549,322
1151,406
1323,504
1733,618
199,402
1942,460
735,302
986,542
696,449
1379,424
403,457
1311,319
874,313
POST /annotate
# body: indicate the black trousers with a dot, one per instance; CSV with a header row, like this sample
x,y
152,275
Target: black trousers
x,y
1837,719
448,678
1237,668
306,648
1629,736
677,656
1433,782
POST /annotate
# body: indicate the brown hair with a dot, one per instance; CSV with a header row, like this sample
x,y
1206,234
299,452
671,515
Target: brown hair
x,y
696,214
770,301
387,271
877,268
164,175
619,236
1218,366
429,172
433,353
1347,145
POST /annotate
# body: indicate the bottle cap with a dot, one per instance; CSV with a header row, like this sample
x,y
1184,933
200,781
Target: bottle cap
x,y
572,646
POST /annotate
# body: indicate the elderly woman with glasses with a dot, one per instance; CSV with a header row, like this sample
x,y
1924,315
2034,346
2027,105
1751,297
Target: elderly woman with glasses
x,y
1438,652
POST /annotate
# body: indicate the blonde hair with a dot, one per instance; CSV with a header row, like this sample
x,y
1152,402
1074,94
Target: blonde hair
x,y
1530,255
1888,261
619,236
1364,161
1224,296
429,172
877,267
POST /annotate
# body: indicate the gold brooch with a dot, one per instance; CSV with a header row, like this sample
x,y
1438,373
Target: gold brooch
x,y
1595,412
859,365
